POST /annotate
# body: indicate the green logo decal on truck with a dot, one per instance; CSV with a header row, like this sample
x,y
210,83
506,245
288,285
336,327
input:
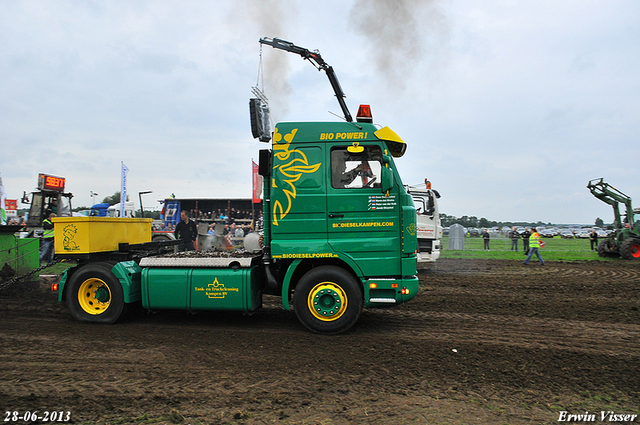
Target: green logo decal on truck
x,y
412,229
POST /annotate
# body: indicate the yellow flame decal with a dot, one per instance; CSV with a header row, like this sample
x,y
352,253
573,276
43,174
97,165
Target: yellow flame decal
x,y
291,171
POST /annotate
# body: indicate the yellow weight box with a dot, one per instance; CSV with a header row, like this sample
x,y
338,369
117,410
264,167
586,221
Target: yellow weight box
x,y
84,235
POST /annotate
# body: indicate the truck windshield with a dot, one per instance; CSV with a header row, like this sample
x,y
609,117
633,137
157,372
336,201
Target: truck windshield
x,y
424,204
356,170
64,209
418,202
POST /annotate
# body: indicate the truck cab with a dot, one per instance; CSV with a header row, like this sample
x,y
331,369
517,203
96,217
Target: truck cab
x,y
335,202
335,193
428,222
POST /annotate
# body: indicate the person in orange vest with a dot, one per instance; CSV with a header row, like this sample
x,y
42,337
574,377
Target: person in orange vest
x,y
534,247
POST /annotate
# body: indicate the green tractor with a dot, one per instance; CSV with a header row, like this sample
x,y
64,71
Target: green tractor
x,y
625,240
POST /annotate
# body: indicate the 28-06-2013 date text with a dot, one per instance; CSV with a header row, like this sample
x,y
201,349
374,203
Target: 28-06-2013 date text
x,y
37,416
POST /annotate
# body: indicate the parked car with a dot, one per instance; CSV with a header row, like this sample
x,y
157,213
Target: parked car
x,y
566,234
547,233
474,231
583,234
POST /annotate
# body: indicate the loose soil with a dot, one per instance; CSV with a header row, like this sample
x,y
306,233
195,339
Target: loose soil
x,y
484,342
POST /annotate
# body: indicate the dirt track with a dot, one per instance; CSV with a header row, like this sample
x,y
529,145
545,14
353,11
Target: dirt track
x,y
484,342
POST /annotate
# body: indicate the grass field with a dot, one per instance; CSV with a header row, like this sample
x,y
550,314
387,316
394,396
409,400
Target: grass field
x,y
556,249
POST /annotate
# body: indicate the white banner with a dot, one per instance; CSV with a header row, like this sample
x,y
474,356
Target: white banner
x,y
3,195
123,188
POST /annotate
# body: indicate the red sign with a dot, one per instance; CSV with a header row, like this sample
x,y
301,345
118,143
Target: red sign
x,y
11,204
47,182
257,183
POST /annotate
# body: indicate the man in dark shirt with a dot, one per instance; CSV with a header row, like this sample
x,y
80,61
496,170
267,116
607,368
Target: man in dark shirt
x,y
593,238
187,232
486,238
525,241
514,235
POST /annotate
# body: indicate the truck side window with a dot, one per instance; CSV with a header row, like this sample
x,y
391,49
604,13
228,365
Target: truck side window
x,y
356,170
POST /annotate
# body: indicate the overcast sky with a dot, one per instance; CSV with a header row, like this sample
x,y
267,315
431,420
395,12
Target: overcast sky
x,y
508,107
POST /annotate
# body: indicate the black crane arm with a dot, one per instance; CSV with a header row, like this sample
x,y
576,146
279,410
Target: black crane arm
x,y
317,61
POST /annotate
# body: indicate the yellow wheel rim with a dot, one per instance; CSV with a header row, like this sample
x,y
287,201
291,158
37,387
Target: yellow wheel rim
x,y
94,296
327,301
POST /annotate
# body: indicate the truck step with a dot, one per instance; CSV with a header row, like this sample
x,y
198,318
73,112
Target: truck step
x,y
383,300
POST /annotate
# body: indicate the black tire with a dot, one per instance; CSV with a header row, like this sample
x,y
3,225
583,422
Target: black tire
x,y
630,249
606,248
94,294
328,300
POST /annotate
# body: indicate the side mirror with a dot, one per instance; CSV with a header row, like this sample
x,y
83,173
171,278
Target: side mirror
x,y
264,163
387,178
386,174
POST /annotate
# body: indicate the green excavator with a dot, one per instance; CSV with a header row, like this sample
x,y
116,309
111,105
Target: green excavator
x,y
625,240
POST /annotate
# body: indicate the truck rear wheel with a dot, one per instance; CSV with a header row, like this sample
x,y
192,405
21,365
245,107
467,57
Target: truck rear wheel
x,y
630,249
95,295
328,300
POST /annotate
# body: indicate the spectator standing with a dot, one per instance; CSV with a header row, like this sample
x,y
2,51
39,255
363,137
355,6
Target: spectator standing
x,y
486,237
187,232
514,239
525,240
534,247
593,238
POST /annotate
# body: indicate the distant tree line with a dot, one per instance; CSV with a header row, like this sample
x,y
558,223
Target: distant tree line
x,y
472,221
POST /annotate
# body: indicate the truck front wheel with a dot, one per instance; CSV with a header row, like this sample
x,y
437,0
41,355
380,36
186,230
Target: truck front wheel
x,y
95,295
328,300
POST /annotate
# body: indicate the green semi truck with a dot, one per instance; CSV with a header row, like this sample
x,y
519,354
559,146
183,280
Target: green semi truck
x,y
340,234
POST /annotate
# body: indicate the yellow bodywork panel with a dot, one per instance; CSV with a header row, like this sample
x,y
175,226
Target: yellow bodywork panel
x,y
397,146
84,235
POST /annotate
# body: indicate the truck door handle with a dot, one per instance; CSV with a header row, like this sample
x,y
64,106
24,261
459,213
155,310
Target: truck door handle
x,y
336,215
